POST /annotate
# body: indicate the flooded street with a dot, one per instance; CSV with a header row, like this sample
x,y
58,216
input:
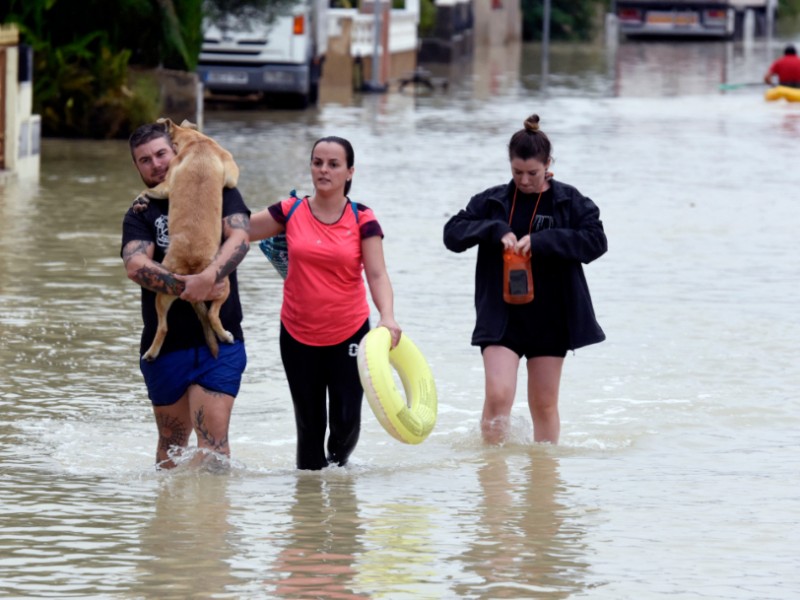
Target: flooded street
x,y
677,472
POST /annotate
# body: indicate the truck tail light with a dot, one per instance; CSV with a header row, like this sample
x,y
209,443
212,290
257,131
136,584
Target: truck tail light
x,y
715,17
630,15
299,25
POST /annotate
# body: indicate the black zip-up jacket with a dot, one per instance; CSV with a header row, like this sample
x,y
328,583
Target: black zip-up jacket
x,y
577,237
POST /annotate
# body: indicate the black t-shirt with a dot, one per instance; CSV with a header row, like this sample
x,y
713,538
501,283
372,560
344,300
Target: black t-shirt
x,y
546,315
185,330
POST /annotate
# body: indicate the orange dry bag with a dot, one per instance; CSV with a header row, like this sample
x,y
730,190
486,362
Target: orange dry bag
x,y
517,278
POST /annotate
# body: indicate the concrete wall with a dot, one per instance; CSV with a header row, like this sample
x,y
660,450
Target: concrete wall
x,y
497,22
22,132
180,93
349,60
401,64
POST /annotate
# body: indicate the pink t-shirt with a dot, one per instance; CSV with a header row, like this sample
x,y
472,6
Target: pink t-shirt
x,y
324,296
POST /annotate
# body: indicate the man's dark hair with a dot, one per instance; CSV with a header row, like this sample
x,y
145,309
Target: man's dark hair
x,y
148,133
790,50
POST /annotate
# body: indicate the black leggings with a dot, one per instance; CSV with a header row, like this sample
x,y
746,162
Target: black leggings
x,y
313,371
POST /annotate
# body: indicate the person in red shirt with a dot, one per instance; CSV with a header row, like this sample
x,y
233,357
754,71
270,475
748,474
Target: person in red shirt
x,y
332,241
786,68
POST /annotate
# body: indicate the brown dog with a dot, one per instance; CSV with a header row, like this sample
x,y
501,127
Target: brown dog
x,y
193,185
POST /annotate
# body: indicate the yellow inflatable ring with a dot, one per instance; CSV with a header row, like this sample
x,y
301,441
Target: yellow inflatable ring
x,y
782,91
412,421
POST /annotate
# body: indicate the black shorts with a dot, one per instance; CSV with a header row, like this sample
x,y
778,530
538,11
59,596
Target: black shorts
x,y
531,337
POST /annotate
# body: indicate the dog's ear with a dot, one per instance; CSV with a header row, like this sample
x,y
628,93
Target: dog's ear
x,y
167,123
188,124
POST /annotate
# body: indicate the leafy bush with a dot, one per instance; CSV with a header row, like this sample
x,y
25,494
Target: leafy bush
x,y
569,19
789,8
82,49
427,17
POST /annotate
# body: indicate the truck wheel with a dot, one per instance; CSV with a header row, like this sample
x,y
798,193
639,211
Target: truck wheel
x,y
300,101
286,101
313,92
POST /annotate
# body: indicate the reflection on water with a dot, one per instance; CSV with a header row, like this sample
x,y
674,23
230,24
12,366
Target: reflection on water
x,y
321,543
522,547
189,518
401,548
681,423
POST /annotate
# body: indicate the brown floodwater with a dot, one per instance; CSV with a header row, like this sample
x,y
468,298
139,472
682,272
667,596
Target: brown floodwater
x,y
677,471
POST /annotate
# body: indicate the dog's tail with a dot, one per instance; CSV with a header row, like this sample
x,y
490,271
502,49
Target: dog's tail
x,y
208,331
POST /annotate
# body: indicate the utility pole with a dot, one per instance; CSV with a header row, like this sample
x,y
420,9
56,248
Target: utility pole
x,y
545,43
376,41
374,85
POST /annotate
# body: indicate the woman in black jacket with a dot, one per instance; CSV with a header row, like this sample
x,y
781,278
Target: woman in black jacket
x,y
557,228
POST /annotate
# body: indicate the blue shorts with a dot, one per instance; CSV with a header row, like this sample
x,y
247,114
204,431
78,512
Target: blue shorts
x,y
169,376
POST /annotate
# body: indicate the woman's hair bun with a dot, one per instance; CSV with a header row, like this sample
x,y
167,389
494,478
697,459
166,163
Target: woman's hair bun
x,y
532,123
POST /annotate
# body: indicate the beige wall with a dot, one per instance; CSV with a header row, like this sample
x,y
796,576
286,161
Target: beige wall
x,y
400,65
338,68
21,130
8,39
341,71
497,22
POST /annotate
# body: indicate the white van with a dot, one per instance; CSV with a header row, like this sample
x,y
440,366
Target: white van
x,y
282,57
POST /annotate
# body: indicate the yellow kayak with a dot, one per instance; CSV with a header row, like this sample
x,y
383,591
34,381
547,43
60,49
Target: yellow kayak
x,y
791,94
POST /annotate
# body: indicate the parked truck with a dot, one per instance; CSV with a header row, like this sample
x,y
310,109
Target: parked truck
x,y
689,18
278,57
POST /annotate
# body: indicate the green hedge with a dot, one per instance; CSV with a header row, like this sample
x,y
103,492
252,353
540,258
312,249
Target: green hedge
x,y
572,20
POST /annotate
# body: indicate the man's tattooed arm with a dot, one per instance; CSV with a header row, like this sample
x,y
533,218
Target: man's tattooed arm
x,y
233,226
142,269
158,279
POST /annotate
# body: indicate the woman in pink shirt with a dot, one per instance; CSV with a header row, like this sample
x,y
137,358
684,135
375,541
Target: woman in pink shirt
x,y
325,312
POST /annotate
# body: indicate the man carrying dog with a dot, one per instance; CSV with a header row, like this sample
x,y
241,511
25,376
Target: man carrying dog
x,y
189,389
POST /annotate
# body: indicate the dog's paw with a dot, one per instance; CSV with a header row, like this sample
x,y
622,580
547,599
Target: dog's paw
x,y
227,338
141,203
